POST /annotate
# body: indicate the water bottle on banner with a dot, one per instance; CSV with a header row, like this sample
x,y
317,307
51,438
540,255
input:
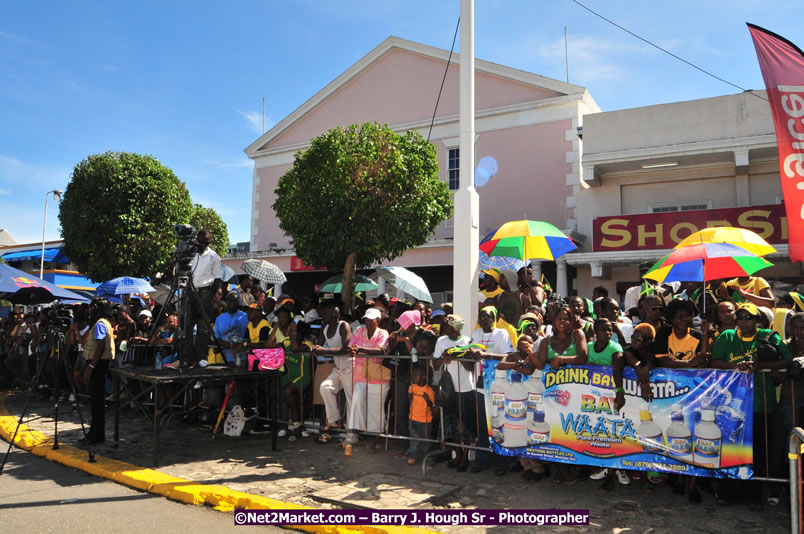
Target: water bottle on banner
x,y
731,420
679,437
650,434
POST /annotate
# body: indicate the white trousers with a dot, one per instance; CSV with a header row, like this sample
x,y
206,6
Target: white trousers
x,y
331,387
368,408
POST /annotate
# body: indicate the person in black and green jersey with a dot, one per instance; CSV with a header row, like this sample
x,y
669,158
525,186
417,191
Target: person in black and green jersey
x,y
737,349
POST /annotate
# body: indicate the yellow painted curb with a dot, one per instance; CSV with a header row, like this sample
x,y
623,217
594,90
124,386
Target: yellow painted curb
x,y
178,489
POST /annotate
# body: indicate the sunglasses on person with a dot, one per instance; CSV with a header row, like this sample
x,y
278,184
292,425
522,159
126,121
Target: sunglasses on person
x,y
745,317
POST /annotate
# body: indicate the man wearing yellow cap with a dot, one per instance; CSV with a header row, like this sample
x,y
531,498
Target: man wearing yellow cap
x,y
740,349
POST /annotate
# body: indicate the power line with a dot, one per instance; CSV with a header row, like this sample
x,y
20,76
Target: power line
x,y
449,59
668,52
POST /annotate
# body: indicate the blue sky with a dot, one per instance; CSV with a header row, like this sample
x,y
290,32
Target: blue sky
x,y
184,81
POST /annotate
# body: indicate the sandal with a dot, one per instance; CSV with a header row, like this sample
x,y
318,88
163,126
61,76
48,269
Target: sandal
x,y
324,438
331,426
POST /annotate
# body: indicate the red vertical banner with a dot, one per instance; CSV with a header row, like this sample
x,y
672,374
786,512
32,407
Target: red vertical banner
x,y
782,65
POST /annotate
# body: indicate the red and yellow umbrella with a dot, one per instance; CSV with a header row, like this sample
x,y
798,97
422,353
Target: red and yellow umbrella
x,y
527,240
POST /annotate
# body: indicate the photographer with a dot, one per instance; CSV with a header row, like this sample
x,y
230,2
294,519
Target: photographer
x,y
99,352
74,345
206,279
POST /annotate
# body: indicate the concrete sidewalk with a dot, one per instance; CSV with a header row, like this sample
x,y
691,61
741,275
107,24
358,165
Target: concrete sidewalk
x,y
309,474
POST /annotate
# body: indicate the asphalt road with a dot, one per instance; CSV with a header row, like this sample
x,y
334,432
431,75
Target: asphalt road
x,y
39,496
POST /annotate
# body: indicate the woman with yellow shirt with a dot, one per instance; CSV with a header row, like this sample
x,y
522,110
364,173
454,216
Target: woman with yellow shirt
x,y
753,289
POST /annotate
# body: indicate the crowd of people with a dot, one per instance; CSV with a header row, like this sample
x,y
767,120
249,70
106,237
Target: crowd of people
x,y
381,370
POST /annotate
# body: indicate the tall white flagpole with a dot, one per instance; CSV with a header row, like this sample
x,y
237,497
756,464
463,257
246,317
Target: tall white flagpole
x,y
465,250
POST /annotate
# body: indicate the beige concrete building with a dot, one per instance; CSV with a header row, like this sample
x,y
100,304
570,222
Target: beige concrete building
x,y
653,175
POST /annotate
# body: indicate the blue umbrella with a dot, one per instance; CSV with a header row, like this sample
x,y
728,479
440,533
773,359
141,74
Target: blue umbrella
x,y
228,274
124,285
503,263
23,288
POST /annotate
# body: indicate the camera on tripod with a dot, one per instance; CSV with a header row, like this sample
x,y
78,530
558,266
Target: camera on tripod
x,y
60,318
186,248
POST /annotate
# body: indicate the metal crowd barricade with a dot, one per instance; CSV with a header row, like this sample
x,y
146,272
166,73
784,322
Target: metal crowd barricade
x,y
769,440
441,440
387,431
794,457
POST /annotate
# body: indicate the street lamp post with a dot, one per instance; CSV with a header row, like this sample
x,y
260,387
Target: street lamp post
x,y
57,197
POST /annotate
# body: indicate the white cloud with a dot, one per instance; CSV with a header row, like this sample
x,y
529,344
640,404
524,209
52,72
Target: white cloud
x,y
591,58
247,163
692,48
12,170
254,119
24,220
19,39
79,88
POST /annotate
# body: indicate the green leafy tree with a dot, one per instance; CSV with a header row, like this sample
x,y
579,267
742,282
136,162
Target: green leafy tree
x,y
360,195
117,215
208,218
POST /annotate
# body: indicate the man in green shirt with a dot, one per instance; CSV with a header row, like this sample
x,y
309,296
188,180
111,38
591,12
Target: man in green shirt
x,y
737,349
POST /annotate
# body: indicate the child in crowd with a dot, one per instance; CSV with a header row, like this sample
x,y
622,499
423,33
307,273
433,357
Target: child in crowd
x,y
605,352
421,397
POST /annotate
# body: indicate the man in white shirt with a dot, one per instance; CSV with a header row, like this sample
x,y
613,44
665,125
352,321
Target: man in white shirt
x,y
648,287
207,277
460,419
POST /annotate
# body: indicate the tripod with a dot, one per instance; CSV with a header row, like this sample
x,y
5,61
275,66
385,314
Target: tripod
x,y
181,281
40,367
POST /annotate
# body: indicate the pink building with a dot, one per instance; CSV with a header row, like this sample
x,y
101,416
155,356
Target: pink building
x,y
527,123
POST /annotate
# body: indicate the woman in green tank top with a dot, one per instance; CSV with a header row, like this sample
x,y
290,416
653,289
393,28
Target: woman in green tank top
x,y
566,345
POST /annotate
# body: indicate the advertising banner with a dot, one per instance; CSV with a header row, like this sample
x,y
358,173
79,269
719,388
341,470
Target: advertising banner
x,y
782,66
698,423
650,231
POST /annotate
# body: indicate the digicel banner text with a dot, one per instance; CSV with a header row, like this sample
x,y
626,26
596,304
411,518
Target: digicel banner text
x,y
666,230
782,65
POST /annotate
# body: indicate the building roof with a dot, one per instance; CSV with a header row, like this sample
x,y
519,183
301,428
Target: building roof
x,y
6,239
556,87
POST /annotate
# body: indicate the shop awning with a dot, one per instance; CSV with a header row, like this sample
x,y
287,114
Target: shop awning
x,y
70,280
51,254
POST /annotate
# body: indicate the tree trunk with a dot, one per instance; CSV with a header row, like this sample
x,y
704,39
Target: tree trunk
x,y
348,284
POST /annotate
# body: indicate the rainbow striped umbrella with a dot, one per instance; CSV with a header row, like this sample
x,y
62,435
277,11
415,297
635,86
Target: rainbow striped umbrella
x,y
704,262
741,237
527,240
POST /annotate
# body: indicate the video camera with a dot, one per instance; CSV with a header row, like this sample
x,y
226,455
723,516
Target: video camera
x,y
186,248
60,318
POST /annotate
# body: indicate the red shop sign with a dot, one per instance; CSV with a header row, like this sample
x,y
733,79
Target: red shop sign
x,y
665,230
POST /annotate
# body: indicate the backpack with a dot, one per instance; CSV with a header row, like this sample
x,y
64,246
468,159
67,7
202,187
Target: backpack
x,y
445,390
